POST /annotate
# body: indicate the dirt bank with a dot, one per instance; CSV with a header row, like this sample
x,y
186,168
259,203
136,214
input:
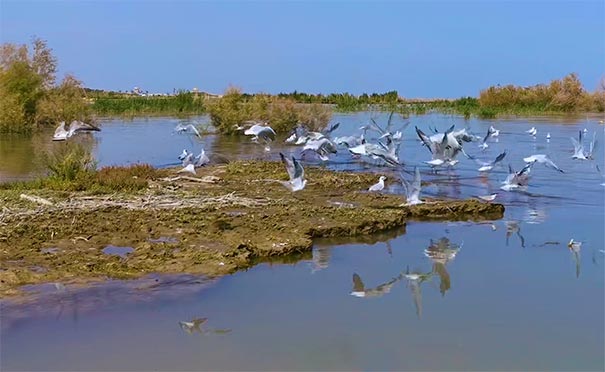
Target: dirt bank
x,y
228,218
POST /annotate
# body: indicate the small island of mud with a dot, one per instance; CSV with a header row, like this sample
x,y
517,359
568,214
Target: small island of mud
x,y
223,220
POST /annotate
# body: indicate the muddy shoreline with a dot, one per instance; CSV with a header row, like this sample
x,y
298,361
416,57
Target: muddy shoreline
x,y
227,219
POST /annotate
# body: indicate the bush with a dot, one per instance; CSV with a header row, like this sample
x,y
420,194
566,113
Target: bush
x,y
564,95
283,114
69,162
28,94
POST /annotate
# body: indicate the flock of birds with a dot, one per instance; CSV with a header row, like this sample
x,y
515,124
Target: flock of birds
x,y
382,148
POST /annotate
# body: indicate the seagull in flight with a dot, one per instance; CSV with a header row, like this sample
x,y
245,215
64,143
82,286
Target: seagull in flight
x,y
295,172
261,133
518,179
181,128
76,126
488,166
532,132
543,159
579,152
412,191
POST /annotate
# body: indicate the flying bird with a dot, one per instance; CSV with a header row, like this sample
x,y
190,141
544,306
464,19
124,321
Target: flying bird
x,y
488,166
543,159
263,133
295,172
76,126
412,191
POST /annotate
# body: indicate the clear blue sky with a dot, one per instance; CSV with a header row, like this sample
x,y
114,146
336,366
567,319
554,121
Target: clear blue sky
x,y
421,49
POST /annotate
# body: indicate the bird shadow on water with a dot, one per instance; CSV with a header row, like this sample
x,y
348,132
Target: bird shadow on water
x,y
440,254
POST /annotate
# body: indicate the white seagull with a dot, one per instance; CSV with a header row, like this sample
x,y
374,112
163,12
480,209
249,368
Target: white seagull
x,y
518,179
412,191
488,166
76,126
579,152
189,168
495,132
261,132
532,132
543,159
295,172
181,128
487,198
379,185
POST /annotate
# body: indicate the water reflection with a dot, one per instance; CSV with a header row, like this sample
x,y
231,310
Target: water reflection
x,y
574,248
359,289
195,326
415,279
321,253
76,299
512,227
21,156
441,253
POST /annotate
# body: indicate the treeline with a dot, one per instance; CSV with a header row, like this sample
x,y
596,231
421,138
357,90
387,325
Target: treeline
x,y
29,94
345,101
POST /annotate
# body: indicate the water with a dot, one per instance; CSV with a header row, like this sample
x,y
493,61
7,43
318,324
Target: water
x,y
515,297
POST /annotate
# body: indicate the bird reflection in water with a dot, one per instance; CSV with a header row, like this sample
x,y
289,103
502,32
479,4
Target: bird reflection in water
x,y
195,326
512,227
441,253
321,258
359,289
574,248
415,280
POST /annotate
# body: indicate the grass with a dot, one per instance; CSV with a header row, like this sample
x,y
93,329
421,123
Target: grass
x,y
183,103
72,168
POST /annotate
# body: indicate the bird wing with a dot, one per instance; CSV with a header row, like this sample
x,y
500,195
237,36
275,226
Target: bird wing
x,y
549,163
593,144
331,129
426,140
500,157
416,184
78,126
489,133
266,133
299,171
376,127
194,129
577,146
290,167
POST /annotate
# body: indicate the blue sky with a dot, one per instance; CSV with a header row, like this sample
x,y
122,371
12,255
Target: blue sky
x,y
421,49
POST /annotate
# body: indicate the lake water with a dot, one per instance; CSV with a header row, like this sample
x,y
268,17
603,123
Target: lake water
x,y
514,297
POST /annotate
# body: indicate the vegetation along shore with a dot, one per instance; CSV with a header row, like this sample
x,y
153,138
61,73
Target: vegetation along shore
x,y
31,98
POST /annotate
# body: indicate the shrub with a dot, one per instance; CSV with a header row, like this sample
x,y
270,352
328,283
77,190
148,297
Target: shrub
x,y
28,94
283,114
69,161
564,95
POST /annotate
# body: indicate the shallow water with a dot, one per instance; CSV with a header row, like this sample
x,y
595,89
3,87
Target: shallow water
x,y
514,297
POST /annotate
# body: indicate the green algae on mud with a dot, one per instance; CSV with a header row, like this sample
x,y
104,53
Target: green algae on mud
x,y
226,219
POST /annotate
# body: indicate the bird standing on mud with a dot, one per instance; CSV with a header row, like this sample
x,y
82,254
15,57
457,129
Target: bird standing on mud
x,y
379,186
